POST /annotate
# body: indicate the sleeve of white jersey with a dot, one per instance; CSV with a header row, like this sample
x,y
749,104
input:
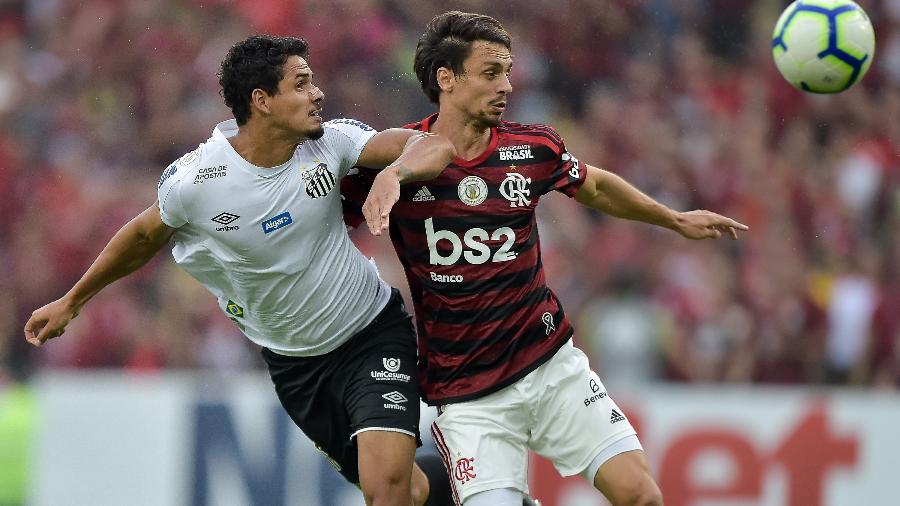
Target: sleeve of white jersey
x,y
168,192
347,138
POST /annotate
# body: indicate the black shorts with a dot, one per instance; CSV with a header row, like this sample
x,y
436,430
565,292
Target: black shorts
x,y
368,383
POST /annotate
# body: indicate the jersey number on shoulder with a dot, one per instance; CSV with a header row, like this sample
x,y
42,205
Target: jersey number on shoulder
x,y
475,250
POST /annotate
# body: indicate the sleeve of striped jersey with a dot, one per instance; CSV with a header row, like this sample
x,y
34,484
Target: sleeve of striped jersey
x,y
354,189
168,192
568,174
347,138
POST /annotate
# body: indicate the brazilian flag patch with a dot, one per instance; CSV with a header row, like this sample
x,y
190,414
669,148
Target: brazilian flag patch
x,y
234,310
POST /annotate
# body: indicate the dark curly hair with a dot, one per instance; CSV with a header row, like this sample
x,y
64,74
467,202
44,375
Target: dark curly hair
x,y
447,42
256,62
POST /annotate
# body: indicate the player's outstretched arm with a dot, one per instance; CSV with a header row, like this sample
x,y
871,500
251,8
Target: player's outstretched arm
x,y
613,195
132,246
409,156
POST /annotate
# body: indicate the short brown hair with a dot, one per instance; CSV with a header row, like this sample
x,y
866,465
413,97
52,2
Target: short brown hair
x,y
447,42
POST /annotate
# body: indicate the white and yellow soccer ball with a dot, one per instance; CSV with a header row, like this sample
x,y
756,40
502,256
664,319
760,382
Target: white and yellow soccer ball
x,y
823,46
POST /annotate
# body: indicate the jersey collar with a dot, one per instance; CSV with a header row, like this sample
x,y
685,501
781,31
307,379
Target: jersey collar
x,y
461,162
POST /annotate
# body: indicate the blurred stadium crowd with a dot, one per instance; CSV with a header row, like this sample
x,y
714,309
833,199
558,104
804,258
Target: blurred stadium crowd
x,y
681,98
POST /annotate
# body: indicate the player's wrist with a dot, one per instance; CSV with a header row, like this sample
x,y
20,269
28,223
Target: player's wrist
x,y
674,220
400,171
73,303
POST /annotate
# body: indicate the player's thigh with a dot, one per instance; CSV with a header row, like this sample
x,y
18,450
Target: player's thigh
x,y
484,443
385,459
571,391
383,394
626,479
309,390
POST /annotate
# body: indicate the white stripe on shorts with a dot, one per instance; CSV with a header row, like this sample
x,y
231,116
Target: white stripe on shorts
x,y
383,429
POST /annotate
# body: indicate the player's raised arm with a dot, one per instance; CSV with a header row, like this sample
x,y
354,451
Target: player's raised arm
x,y
407,155
132,246
611,194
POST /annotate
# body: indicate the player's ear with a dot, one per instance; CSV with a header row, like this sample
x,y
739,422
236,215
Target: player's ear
x,y
445,78
259,99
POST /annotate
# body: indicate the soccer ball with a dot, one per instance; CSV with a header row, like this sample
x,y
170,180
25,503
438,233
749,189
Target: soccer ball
x,y
823,46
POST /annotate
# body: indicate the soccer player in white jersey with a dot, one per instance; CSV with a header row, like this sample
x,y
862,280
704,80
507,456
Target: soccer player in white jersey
x,y
255,215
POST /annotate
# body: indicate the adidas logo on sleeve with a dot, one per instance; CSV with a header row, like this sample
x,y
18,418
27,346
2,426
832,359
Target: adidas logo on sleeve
x,y
423,195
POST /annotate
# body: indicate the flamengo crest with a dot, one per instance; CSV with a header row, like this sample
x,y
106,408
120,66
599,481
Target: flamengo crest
x,y
515,189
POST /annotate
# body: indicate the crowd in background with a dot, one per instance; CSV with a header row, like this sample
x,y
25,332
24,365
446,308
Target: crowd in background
x,y
681,98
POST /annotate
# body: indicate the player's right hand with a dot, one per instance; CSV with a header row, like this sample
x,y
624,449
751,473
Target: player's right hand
x,y
385,192
49,321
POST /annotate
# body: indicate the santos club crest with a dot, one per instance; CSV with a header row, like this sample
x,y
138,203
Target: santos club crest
x,y
319,181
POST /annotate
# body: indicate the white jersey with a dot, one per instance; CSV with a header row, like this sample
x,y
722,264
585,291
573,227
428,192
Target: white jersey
x,y
270,243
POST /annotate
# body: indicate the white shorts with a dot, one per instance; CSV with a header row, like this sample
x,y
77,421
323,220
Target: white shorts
x,y
560,411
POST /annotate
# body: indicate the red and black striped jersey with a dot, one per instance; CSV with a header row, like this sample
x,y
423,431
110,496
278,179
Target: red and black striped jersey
x,y
469,243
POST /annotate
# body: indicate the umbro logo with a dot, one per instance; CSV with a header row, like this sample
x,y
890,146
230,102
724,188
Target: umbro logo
x,y
616,417
225,219
395,397
423,195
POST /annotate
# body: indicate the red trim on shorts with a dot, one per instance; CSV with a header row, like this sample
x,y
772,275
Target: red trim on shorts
x,y
444,450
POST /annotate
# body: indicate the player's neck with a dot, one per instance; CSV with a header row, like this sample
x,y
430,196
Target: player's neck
x,y
469,137
263,147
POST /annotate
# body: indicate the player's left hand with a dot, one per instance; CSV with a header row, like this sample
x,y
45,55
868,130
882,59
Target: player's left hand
x,y
703,224
385,192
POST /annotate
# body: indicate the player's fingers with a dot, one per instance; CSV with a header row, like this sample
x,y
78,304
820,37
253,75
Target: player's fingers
x,y
385,222
32,328
732,232
46,333
368,213
728,222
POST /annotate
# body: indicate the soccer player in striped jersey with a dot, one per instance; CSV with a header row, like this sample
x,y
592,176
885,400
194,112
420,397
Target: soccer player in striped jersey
x,y
495,346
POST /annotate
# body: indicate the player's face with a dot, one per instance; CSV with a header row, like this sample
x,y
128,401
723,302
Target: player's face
x,y
297,107
483,89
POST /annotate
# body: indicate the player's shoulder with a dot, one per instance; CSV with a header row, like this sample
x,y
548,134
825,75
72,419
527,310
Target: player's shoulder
x,y
532,132
348,127
180,168
208,156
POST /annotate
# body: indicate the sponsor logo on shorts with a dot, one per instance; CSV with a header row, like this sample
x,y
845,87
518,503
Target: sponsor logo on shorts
x,y
395,398
390,376
464,470
616,417
392,365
